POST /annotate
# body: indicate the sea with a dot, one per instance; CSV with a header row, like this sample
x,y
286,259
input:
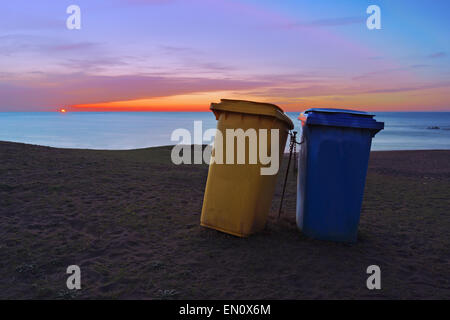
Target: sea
x,y
133,130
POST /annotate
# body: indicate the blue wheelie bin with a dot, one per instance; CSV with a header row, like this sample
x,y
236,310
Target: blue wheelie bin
x,y
333,160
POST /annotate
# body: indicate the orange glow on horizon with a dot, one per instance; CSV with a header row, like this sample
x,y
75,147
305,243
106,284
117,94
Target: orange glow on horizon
x,y
414,100
195,102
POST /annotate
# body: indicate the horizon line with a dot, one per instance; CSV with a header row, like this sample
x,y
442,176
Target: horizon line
x,y
187,111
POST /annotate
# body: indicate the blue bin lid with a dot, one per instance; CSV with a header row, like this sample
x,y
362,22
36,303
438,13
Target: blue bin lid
x,y
340,118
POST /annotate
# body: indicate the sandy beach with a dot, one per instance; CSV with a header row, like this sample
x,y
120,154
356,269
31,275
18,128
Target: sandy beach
x,y
130,220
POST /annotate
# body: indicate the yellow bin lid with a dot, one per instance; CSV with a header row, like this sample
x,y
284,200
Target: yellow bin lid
x,y
251,107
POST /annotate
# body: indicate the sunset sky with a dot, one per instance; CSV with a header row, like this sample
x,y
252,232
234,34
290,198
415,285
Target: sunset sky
x,y
183,55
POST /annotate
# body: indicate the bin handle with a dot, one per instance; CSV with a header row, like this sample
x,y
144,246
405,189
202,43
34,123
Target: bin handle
x,y
292,143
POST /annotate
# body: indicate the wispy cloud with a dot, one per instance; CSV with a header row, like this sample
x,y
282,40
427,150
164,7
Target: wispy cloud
x,y
331,22
93,64
437,55
77,46
379,73
20,42
419,66
168,49
194,60
147,2
411,88
30,21
56,90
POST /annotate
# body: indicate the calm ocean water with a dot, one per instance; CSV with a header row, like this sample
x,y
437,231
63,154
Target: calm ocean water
x,y
129,130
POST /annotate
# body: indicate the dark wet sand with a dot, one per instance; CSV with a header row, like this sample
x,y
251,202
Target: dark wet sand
x,y
130,220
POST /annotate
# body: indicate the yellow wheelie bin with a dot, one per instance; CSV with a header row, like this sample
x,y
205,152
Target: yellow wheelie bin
x,y
246,157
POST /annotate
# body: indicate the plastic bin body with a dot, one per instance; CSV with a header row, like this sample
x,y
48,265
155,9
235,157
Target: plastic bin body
x,y
333,162
237,197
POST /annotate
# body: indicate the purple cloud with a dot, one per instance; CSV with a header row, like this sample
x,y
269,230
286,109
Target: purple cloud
x,y
73,46
437,55
411,88
332,22
147,2
55,90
